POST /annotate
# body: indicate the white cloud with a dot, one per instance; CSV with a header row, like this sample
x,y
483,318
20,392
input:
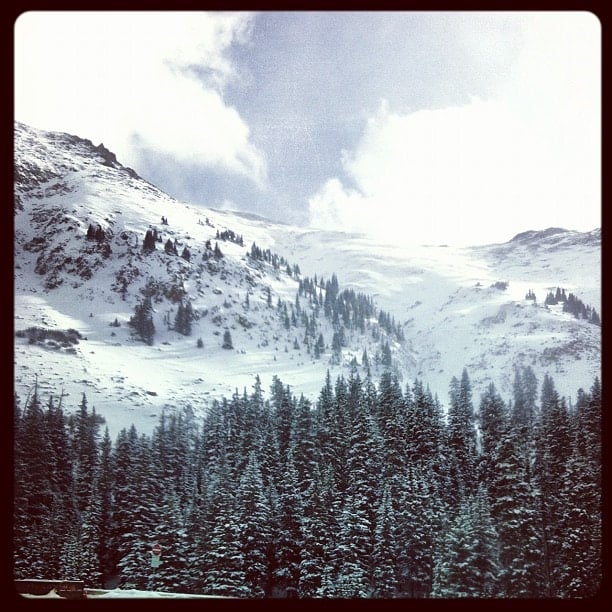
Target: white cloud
x,y
526,159
130,76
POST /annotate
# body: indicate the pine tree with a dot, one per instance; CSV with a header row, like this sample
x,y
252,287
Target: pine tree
x,y
392,421
320,345
524,413
61,462
89,568
283,414
425,440
386,359
468,563
288,538
462,438
486,562
581,553
142,320
336,356
418,519
122,465
139,499
304,445
170,247
227,340
170,533
384,575
493,421
34,545
318,528
553,448
184,317
106,494
254,516
223,564
85,453
325,423
149,241
515,515
353,553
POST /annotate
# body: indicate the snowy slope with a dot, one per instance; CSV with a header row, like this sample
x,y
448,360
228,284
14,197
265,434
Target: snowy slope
x,y
64,281
451,316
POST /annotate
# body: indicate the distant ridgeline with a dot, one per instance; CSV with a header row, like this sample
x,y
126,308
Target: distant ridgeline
x,y
371,492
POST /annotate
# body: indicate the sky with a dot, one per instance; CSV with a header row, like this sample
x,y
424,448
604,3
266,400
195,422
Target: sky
x,y
457,128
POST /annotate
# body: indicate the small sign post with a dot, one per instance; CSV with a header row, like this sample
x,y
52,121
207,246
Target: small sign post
x,y
156,551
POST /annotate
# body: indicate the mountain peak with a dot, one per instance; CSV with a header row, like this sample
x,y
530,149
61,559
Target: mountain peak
x,y
534,235
41,156
556,236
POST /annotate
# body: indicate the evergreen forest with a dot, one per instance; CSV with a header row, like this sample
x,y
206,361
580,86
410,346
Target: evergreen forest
x,y
373,491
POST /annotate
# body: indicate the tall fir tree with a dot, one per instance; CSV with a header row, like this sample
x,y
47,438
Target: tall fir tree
x,y
255,517
288,538
461,439
384,578
516,517
553,448
493,421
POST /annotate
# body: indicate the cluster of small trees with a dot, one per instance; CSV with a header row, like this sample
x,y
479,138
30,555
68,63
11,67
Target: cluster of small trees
x,y
152,237
142,320
229,235
150,240
371,492
95,233
99,236
184,317
209,251
555,298
276,261
171,247
502,285
572,304
346,309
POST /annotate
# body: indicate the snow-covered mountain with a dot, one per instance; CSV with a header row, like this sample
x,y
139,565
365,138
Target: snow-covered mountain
x,y
449,304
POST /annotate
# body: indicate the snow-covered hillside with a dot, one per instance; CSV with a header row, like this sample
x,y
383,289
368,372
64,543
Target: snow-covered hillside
x,y
442,297
454,317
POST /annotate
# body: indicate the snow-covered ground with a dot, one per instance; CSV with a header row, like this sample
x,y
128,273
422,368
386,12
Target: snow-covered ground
x,y
122,594
443,297
452,315
135,594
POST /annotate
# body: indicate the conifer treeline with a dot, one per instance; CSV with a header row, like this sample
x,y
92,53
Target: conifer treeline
x,y
372,492
572,304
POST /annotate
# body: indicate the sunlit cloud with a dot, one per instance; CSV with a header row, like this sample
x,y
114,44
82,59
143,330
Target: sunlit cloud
x,y
155,79
526,158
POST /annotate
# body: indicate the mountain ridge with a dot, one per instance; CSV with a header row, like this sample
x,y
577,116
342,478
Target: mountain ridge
x,y
444,300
